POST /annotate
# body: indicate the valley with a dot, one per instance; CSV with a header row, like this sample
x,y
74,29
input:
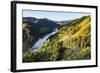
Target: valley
x,y
72,41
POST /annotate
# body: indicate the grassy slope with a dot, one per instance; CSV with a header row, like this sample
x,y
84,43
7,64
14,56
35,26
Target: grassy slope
x,y
72,42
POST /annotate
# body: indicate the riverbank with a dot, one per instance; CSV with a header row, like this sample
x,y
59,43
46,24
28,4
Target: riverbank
x,y
43,39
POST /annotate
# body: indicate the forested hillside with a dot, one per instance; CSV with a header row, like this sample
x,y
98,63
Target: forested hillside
x,y
71,42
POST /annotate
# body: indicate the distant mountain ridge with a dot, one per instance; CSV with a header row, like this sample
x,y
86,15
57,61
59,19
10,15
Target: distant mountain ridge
x,y
40,24
64,22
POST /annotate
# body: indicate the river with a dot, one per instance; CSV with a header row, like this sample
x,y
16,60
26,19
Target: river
x,y
43,39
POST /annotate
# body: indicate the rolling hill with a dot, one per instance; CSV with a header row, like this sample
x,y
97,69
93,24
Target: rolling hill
x,y
43,25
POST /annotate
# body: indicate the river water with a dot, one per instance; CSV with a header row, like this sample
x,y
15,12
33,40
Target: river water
x,y
43,39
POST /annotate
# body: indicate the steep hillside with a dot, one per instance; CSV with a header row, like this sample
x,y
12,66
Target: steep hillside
x,y
27,37
72,42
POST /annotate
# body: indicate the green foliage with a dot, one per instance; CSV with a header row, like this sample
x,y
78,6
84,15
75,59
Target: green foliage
x,y
72,42
28,57
85,53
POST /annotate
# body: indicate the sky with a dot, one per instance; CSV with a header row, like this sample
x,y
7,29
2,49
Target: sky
x,y
54,15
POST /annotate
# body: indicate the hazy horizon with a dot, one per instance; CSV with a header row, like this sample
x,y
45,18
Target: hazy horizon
x,y
54,15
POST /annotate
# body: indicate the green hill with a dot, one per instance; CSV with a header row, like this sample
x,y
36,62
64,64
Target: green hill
x,y
72,42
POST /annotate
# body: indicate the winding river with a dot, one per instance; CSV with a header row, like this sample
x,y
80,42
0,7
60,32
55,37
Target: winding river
x,y
43,39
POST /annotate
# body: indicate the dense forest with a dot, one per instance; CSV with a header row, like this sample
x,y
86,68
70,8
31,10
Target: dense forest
x,y
71,42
